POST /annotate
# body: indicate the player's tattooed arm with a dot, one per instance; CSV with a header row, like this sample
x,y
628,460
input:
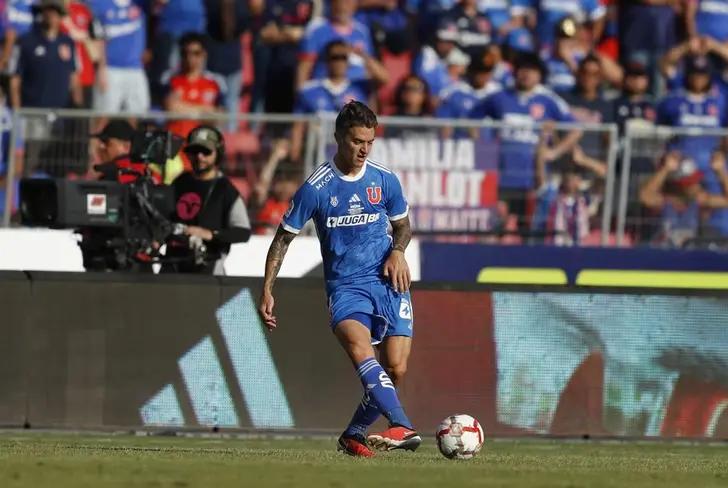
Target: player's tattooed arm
x,y
395,267
276,253
401,234
273,263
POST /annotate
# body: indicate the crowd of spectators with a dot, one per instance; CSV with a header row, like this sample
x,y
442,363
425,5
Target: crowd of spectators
x,y
517,61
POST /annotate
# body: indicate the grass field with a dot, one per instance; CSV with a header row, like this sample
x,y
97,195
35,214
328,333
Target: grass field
x,y
34,460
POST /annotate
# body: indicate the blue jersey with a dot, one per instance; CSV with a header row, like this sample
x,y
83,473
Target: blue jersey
x,y
124,25
498,11
19,15
351,214
711,19
321,32
550,12
561,79
459,100
322,96
681,109
431,68
518,140
181,16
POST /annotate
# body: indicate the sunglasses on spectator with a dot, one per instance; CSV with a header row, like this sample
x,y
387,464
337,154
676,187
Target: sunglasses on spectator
x,y
193,150
338,57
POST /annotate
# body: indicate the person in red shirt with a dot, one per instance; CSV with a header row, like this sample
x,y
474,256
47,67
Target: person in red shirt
x,y
193,90
113,149
79,24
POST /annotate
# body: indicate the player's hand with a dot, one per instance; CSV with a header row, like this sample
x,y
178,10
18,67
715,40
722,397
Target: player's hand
x,y
201,232
397,270
266,310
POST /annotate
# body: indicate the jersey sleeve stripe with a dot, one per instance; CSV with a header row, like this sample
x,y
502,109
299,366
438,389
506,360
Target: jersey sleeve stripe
x,y
379,166
290,229
320,177
394,218
320,170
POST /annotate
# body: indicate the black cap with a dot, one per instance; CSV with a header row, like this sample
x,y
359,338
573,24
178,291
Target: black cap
x,y
116,129
530,60
697,64
57,5
204,136
635,68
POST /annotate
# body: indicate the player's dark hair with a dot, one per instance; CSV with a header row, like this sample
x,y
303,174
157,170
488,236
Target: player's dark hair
x,y
355,114
332,45
192,38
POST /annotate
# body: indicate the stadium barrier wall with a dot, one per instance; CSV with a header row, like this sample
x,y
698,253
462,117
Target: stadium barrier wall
x,y
103,351
552,265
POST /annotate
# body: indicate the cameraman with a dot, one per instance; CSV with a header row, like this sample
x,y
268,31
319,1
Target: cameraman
x,y
113,150
208,205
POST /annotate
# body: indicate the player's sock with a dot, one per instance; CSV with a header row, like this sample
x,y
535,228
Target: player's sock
x,y
365,415
381,390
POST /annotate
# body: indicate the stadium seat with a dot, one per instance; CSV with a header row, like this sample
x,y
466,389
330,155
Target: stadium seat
x,y
398,66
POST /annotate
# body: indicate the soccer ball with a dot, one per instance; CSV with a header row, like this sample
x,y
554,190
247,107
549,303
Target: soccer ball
x,y
459,437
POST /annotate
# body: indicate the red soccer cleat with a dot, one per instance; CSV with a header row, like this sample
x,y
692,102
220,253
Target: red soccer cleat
x,y
354,446
396,437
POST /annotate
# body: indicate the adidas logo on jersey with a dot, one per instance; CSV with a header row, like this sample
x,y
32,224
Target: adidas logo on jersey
x,y
355,205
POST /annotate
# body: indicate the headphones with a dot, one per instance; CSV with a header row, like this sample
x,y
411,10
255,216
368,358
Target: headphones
x,y
212,134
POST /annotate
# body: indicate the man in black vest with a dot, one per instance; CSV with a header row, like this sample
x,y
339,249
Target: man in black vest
x,y
208,206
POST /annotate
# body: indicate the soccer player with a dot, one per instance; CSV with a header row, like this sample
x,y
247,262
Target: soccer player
x,y
352,199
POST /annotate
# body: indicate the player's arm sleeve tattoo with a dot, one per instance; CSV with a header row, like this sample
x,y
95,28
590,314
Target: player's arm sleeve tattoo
x,y
276,253
401,234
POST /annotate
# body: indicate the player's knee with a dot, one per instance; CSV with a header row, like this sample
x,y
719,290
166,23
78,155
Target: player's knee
x,y
396,372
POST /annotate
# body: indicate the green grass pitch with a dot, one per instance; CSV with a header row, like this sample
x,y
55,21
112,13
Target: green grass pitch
x,y
53,460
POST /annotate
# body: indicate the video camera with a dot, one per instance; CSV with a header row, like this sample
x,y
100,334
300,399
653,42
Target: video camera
x,y
123,222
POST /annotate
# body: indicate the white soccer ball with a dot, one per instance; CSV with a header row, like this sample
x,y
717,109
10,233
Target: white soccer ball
x,y
460,437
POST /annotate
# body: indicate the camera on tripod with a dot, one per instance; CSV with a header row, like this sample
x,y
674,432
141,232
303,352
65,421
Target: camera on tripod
x,y
122,223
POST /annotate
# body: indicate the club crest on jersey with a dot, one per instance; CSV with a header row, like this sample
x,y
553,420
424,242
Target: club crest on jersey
x,y
334,201
374,194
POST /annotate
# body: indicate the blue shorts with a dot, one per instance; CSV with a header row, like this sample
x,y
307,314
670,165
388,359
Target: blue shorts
x,y
384,311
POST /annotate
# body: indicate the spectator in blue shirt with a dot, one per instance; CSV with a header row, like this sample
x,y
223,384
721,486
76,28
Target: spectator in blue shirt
x,y
520,108
431,62
707,18
17,19
700,107
339,25
329,94
121,83
457,101
43,63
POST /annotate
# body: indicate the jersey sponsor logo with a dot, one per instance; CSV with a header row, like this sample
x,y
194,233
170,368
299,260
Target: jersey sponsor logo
x,y
334,201
323,182
351,220
188,206
374,194
537,110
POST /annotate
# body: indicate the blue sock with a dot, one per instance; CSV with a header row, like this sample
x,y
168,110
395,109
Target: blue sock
x,y
381,391
366,414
